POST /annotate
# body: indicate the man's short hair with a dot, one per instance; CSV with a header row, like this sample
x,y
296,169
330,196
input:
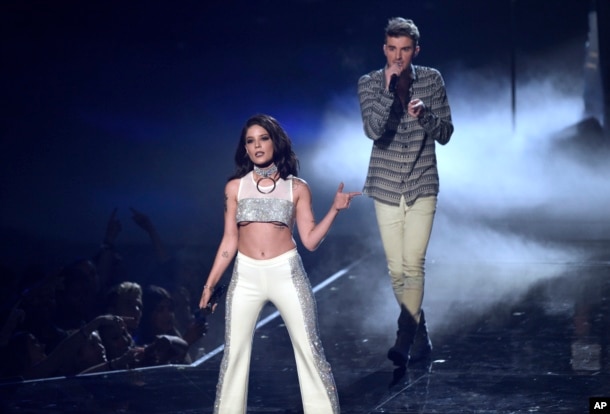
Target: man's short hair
x,y
129,290
398,26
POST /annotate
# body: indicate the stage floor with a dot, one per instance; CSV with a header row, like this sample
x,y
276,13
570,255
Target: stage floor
x,y
508,336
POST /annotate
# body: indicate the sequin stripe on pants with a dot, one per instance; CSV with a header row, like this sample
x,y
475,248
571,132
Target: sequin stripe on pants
x,y
282,281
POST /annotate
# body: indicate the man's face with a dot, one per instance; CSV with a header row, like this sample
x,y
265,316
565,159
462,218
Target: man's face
x,y
131,307
399,51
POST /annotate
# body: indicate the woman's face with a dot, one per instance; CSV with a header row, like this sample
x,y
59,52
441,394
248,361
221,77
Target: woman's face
x,y
259,145
163,317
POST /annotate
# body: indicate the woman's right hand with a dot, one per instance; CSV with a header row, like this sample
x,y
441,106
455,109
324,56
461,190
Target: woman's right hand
x,y
205,296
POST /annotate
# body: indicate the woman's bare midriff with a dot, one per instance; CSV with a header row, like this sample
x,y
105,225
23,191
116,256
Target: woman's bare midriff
x,y
264,240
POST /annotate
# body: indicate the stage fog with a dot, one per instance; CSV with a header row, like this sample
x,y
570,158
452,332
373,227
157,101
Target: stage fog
x,y
514,185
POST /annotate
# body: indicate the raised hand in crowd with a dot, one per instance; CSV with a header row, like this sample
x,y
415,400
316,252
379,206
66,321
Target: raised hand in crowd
x,y
146,224
113,228
108,259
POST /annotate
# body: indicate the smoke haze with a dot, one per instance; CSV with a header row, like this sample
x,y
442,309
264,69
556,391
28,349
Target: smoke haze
x,y
510,194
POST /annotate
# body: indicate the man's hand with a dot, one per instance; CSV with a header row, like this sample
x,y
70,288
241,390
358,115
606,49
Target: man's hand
x,y
113,228
393,69
142,220
416,108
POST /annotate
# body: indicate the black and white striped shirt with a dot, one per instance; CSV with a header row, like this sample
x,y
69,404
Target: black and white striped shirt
x,y
403,157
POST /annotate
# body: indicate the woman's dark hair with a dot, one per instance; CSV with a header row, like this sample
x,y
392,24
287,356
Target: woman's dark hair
x,y
283,156
152,296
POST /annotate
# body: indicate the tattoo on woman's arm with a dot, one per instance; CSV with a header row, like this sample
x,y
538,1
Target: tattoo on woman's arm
x,y
225,254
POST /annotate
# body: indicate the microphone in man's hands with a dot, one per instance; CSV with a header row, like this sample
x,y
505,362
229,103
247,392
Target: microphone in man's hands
x,y
393,82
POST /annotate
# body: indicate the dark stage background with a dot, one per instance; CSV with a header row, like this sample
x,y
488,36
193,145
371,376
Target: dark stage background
x,y
112,104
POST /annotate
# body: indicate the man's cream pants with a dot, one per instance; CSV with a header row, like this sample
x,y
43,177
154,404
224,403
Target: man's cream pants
x,y
405,233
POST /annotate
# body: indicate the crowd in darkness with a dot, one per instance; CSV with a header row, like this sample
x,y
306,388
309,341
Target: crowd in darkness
x,y
88,316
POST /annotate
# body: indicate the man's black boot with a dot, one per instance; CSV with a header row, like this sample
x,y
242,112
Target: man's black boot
x,y
399,353
422,346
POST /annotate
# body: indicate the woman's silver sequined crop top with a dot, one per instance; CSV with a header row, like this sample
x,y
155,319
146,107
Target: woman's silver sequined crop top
x,y
267,206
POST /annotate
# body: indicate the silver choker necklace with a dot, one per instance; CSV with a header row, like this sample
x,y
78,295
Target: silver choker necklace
x,y
266,172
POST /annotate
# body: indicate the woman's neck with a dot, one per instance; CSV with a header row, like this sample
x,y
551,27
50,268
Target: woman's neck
x,y
267,171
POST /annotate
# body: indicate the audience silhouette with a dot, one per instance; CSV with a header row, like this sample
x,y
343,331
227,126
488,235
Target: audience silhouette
x,y
90,316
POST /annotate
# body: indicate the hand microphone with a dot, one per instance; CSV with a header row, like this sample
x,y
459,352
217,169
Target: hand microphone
x,y
393,82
